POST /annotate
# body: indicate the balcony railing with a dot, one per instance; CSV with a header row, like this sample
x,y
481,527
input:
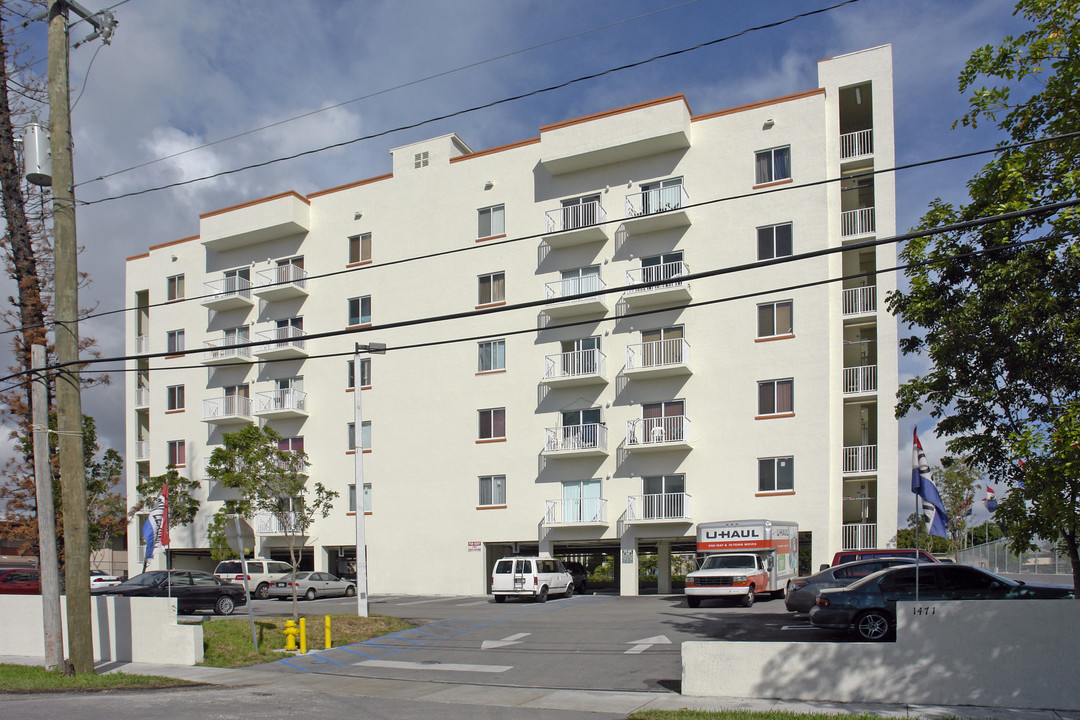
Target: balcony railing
x,y
856,144
857,222
142,449
568,511
142,344
283,338
569,438
229,406
573,217
282,276
648,202
142,397
224,349
269,524
860,536
665,275
226,288
860,300
575,364
664,506
860,458
861,379
281,400
658,430
658,354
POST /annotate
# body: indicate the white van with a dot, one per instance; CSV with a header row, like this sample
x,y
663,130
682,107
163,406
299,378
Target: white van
x,y
532,577
261,574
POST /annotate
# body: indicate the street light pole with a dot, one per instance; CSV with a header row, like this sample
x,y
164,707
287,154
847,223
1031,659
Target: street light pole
x,y
358,476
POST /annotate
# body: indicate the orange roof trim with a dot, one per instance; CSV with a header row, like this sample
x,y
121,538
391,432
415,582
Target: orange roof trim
x,y
174,242
347,186
292,193
140,256
492,151
760,104
617,111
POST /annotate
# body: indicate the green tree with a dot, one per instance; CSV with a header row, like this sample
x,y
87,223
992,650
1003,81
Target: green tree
x,y
1000,322
183,507
956,481
273,482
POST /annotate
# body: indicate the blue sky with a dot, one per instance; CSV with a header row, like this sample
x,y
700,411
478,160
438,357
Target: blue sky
x,y
179,75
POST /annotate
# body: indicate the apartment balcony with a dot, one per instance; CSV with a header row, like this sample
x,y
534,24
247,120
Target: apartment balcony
x,y
580,367
230,293
860,380
656,434
576,440
856,145
576,511
142,398
224,351
270,524
142,344
855,223
267,219
569,306
659,358
281,404
575,225
860,459
657,209
281,283
664,507
859,300
859,536
660,285
227,410
282,343
142,450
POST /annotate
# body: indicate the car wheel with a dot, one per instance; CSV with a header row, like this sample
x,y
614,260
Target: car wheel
x,y
542,595
500,598
224,605
570,589
693,601
263,591
350,591
873,625
310,594
748,599
584,588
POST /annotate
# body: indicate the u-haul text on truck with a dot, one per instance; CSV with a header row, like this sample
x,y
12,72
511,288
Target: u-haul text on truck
x,y
743,558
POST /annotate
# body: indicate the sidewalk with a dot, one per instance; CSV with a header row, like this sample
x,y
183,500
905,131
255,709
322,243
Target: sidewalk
x,y
541,698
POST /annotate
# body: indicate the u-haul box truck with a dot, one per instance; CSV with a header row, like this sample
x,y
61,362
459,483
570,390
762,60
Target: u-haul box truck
x,y
742,558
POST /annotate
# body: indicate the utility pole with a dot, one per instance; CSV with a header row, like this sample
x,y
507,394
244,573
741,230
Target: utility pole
x,y
358,473
46,515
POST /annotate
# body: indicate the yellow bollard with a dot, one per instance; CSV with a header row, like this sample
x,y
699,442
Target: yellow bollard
x,y
326,630
290,635
303,636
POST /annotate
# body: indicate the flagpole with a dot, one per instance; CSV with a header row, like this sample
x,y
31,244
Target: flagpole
x,y
918,524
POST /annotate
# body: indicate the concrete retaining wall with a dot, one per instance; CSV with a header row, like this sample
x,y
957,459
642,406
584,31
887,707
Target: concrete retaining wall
x,y
999,653
125,629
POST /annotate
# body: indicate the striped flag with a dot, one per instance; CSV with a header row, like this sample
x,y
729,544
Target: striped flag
x,y
990,501
923,485
155,530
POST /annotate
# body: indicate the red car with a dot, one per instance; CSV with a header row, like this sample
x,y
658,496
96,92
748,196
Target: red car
x,y
20,581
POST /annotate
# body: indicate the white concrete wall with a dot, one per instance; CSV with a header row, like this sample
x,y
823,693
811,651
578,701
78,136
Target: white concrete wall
x,y
998,653
124,629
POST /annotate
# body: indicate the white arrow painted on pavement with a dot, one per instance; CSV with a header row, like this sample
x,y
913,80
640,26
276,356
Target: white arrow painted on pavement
x,y
510,640
644,644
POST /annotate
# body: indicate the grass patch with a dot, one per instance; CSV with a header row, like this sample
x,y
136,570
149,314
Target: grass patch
x,y
738,715
227,641
33,679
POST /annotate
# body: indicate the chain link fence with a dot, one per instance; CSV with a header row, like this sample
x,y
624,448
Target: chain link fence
x,y
997,557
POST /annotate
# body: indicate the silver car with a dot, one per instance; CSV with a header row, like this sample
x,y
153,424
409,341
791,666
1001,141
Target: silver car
x,y
310,585
801,593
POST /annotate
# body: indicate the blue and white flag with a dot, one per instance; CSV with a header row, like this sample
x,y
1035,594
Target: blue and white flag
x,y
151,529
923,486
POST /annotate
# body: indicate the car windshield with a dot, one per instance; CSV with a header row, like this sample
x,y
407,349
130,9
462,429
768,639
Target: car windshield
x,y
729,562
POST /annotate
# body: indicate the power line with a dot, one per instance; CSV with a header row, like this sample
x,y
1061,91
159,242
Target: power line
x,y
475,108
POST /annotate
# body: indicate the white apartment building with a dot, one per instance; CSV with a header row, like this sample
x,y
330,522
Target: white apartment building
x,y
589,422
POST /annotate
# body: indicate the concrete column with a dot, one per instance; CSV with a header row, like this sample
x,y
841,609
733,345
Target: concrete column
x,y
628,564
663,567
545,545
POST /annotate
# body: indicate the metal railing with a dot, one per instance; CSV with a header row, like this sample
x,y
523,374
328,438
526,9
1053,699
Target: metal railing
x,y
861,379
860,458
590,436
572,217
664,506
226,406
656,200
142,344
857,222
286,399
567,288
859,300
281,276
577,363
666,275
859,536
224,349
142,397
997,557
576,510
142,449
227,287
269,524
284,337
657,431
658,353
856,144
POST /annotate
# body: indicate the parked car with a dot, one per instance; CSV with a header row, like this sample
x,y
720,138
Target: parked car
x,y
801,593
579,573
20,581
846,556
100,579
193,590
261,574
310,585
531,577
868,607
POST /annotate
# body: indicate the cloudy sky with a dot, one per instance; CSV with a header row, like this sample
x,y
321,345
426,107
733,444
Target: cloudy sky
x,y
193,74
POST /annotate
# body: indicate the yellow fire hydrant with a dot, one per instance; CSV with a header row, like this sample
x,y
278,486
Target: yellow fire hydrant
x,y
290,634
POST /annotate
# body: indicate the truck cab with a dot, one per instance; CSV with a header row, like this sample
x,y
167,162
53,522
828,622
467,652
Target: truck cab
x,y
731,575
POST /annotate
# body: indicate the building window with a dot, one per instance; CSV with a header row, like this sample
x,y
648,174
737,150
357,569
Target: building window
x,y
367,497
492,490
174,397
774,319
492,423
291,444
775,397
492,355
174,287
773,241
490,221
177,453
365,373
662,195
174,341
360,248
360,310
365,436
420,160
772,165
580,212
492,288
775,474
663,497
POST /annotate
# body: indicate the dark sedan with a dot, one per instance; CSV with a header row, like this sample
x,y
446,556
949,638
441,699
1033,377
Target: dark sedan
x,y
801,593
580,575
193,590
868,607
